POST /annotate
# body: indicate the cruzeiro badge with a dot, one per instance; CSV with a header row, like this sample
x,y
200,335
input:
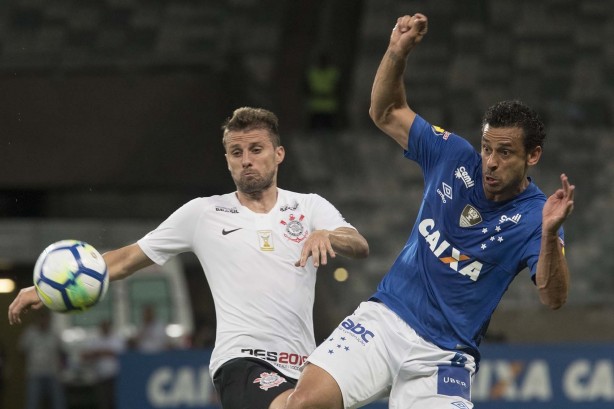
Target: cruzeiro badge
x,y
470,217
295,230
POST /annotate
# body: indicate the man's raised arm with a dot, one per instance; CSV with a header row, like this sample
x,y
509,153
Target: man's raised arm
x,y
389,109
552,277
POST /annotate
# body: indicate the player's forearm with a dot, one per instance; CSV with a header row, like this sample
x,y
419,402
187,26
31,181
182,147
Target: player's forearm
x,y
349,243
552,277
125,261
388,91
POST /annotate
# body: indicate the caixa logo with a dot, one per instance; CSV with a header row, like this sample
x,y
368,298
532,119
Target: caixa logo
x,y
358,329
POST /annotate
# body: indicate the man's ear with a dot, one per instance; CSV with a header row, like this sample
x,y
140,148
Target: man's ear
x,y
534,156
280,154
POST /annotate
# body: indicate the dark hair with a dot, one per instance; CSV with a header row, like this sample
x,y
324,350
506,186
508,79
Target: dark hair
x,y
516,114
248,118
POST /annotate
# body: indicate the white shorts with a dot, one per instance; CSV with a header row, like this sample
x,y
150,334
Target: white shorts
x,y
373,353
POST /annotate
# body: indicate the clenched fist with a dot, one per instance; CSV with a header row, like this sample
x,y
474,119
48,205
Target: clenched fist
x,y
408,32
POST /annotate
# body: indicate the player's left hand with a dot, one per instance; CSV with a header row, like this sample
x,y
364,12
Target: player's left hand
x,y
26,299
318,247
558,206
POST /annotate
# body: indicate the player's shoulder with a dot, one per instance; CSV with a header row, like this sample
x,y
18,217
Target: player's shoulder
x,y
289,198
533,196
288,195
440,137
437,131
216,202
227,198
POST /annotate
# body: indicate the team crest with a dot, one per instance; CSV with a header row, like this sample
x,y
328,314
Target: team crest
x,y
295,230
470,217
269,380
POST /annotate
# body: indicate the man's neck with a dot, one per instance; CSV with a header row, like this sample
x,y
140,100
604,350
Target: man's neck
x,y
259,202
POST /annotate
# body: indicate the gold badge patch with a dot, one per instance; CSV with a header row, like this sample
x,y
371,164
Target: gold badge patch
x,y
470,217
265,240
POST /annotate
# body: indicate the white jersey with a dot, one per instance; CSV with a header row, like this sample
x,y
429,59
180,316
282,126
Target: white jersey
x,y
263,303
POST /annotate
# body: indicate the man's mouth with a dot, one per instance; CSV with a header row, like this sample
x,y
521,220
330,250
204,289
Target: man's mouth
x,y
490,180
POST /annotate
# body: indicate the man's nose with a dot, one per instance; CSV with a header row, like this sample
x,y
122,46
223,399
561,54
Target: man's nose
x,y
491,161
246,159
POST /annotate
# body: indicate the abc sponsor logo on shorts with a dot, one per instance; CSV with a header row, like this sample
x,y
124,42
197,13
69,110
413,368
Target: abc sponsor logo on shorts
x,y
357,330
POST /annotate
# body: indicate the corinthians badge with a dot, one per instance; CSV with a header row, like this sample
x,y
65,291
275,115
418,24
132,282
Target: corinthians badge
x,y
269,380
295,230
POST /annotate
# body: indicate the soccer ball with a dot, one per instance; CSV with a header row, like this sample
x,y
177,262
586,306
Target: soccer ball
x,y
70,275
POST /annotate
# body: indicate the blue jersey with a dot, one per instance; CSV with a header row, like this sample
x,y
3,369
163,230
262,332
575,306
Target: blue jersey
x,y
464,250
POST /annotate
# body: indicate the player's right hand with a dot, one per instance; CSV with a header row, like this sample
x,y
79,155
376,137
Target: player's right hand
x,y
558,207
26,300
318,247
408,32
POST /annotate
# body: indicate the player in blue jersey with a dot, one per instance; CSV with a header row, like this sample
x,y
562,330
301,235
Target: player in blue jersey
x,y
482,221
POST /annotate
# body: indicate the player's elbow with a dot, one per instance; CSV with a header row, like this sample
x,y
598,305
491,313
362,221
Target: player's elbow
x,y
349,243
358,249
372,113
557,304
380,117
554,303
363,250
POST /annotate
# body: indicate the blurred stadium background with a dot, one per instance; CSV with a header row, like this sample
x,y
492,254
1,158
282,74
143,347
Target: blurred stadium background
x,y
111,109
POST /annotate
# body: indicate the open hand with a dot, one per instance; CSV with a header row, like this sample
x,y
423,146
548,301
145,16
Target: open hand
x,y
558,206
26,300
318,247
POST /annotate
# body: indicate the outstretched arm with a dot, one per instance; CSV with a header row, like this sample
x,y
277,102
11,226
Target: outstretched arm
x,y
120,264
552,276
126,260
323,243
389,109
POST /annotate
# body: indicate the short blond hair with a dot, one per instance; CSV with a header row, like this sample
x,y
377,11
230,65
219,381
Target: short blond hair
x,y
248,118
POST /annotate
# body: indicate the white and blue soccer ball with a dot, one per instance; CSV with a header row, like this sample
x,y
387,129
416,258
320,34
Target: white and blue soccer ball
x,y
70,275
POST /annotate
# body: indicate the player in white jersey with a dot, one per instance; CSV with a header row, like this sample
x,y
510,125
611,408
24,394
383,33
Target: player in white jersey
x,y
481,222
260,248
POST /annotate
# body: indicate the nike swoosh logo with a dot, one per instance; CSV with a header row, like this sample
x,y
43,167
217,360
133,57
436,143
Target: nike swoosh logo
x,y
225,232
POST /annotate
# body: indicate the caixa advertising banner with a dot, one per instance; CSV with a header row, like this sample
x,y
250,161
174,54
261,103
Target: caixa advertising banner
x,y
573,376
173,379
545,376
